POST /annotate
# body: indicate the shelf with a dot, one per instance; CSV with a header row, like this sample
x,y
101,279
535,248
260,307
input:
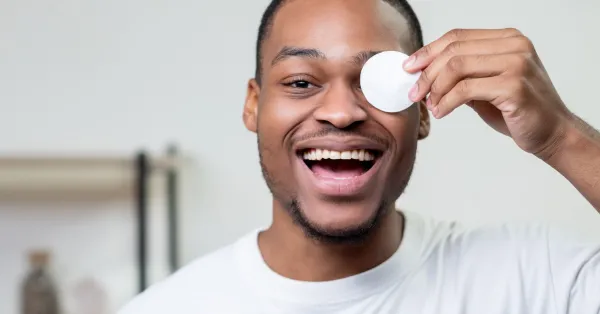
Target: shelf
x,y
72,178
35,178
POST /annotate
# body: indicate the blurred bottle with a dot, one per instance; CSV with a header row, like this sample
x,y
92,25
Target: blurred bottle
x,y
39,295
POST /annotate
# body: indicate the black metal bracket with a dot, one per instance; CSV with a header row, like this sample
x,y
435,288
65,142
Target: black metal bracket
x,y
143,175
172,208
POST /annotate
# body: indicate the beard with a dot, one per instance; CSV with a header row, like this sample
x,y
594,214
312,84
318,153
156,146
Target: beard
x,y
349,235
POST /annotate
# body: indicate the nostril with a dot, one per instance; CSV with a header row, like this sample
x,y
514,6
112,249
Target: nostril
x,y
341,114
342,125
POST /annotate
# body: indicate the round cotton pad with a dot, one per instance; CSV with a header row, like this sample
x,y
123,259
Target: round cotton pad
x,y
384,82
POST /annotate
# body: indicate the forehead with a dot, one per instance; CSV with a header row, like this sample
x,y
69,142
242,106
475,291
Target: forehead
x,y
338,28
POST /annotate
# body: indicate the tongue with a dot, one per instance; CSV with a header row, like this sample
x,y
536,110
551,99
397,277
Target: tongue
x,y
338,169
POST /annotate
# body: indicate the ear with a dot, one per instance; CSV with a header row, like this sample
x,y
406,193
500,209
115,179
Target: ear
x,y
424,121
250,114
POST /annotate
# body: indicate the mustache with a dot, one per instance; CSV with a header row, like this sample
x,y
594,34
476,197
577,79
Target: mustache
x,y
333,131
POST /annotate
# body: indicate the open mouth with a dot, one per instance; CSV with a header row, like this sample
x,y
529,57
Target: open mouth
x,y
340,165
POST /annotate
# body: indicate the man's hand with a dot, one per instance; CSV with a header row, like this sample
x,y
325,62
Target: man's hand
x,y
498,74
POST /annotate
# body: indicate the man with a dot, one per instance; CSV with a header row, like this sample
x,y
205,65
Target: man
x,y
335,166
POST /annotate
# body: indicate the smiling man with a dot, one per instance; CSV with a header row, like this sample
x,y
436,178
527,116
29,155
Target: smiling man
x,y
336,165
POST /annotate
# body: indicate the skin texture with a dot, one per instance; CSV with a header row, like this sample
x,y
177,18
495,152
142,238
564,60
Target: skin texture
x,y
303,98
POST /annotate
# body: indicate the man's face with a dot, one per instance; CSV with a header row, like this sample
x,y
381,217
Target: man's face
x,y
329,157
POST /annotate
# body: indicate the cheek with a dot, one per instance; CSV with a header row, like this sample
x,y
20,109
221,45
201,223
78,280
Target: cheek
x,y
403,127
277,118
285,113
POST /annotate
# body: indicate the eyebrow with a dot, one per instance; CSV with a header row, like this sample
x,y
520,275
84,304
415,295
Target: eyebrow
x,y
361,58
310,53
288,52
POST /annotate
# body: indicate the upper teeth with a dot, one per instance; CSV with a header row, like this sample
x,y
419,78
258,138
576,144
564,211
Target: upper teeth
x,y
318,154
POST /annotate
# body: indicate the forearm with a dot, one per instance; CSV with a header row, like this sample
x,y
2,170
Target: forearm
x,y
577,158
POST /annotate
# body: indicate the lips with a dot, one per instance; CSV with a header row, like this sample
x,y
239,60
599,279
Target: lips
x,y
339,168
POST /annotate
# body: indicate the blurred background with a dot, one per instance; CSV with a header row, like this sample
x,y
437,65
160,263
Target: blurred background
x,y
94,94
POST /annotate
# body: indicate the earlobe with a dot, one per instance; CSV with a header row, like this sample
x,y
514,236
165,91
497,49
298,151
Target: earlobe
x,y
424,121
250,114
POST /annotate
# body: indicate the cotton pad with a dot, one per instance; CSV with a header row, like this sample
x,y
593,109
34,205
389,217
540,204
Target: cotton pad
x,y
384,82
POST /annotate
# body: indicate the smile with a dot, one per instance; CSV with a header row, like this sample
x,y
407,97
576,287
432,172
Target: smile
x,y
339,165
339,172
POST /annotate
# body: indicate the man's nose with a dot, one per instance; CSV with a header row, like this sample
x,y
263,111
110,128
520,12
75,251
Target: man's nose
x,y
340,107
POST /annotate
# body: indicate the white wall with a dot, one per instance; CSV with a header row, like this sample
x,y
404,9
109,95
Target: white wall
x,y
113,76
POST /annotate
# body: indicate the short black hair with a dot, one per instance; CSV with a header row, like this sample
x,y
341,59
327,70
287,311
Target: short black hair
x,y
266,24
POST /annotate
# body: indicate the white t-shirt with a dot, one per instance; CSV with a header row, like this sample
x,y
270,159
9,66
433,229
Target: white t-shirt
x,y
439,268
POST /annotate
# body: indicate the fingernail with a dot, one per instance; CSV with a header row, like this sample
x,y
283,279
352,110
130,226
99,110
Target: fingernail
x,y
413,92
409,62
428,103
435,111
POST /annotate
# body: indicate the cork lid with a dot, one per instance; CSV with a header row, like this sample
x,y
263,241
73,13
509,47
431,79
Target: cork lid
x,y
39,258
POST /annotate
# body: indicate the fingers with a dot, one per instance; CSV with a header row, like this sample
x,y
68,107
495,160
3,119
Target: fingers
x,y
518,44
489,89
424,56
471,66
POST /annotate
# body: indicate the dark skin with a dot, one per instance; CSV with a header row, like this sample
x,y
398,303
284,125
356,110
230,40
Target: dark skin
x,y
496,72
303,95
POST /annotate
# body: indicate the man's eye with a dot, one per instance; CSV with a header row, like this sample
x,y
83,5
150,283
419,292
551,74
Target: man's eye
x,y
298,84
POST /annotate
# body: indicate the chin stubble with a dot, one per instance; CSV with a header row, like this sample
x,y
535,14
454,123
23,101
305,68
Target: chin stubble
x,y
351,235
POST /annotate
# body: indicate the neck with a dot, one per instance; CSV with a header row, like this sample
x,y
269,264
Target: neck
x,y
288,251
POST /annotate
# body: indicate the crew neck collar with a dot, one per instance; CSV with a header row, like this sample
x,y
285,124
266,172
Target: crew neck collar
x,y
268,283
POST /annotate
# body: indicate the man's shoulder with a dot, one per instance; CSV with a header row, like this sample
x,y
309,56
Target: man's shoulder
x,y
459,232
524,236
450,238
534,247
539,260
209,277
